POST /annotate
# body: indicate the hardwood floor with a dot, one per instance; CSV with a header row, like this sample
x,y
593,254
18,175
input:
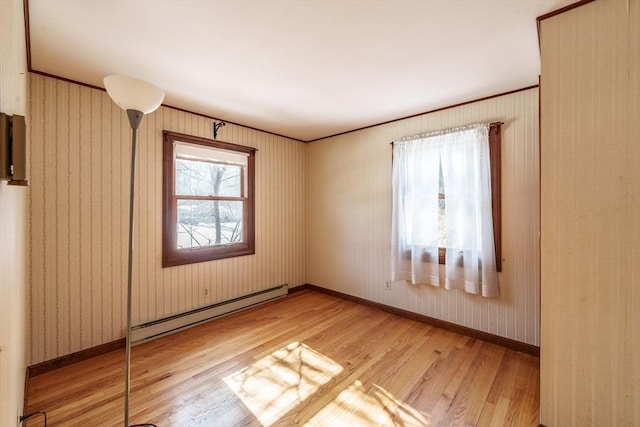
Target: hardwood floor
x,y
308,359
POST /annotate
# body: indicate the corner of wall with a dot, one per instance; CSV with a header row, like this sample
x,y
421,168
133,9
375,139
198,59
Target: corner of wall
x,y
13,223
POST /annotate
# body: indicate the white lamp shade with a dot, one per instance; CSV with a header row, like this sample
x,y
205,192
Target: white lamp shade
x,y
133,94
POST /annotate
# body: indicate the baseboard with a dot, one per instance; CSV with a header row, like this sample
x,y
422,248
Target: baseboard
x,y
462,330
27,375
70,359
298,289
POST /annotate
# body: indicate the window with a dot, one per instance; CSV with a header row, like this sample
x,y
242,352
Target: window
x,y
446,203
496,199
208,200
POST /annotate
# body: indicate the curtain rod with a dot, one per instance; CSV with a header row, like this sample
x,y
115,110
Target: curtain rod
x,y
443,131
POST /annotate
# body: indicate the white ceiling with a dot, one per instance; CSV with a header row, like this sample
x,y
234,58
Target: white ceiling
x,y
304,69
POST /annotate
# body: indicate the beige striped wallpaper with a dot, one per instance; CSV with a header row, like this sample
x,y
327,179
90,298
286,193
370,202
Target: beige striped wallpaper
x,y
13,224
80,151
327,203
349,219
590,180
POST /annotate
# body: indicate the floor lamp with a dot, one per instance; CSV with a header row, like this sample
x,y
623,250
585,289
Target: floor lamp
x,y
137,98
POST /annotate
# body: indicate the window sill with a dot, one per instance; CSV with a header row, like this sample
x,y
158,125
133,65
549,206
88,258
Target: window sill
x,y
190,256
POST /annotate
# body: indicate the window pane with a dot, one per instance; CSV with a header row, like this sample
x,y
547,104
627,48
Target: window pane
x,y
442,213
442,224
208,223
199,178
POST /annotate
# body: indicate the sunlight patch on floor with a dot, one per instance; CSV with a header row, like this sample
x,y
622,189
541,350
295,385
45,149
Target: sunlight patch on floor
x,y
359,406
277,383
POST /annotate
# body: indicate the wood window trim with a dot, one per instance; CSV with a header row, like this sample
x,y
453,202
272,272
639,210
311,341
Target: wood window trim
x,y
495,160
171,256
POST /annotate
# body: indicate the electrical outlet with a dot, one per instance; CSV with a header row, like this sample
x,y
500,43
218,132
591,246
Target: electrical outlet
x,y
387,285
206,292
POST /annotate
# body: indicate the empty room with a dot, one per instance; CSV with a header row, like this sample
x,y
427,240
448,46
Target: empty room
x,y
320,213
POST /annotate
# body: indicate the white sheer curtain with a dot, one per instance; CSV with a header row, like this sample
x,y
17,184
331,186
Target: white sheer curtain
x,y
463,155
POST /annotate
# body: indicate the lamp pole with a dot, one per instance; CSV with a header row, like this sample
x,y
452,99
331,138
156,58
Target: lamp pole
x,y
137,98
135,117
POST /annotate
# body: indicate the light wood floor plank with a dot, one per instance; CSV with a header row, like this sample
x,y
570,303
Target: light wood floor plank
x,y
309,359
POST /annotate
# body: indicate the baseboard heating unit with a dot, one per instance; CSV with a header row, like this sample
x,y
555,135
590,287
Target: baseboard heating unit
x,y
178,322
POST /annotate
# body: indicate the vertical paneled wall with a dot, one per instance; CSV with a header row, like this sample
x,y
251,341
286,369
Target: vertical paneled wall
x,y
80,151
349,219
590,181
13,223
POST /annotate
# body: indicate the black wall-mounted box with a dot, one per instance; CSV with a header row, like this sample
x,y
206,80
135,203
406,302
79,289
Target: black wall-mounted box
x,y
13,149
